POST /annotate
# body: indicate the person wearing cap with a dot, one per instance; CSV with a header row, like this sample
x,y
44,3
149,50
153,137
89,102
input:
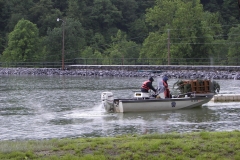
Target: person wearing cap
x,y
147,85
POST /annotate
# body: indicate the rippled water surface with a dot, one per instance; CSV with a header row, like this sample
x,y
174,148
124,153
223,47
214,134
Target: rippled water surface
x,y
42,107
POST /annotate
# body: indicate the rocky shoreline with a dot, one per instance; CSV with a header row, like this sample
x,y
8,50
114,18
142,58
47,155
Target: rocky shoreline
x,y
181,74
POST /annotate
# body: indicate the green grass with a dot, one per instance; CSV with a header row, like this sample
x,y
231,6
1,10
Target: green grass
x,y
177,146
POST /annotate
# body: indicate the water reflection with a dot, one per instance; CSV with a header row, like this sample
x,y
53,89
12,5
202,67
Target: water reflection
x,y
38,107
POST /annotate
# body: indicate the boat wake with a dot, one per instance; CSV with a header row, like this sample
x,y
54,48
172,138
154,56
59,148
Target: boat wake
x,y
92,112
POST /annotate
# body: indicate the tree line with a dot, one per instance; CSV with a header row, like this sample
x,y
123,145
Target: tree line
x,y
117,29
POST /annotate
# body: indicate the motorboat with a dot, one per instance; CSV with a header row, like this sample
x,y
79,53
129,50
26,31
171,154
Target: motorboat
x,y
146,102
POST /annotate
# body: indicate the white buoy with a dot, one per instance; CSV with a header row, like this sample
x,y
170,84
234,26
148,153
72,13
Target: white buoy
x,y
226,98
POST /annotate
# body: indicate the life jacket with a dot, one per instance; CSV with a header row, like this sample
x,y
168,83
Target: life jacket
x,y
144,85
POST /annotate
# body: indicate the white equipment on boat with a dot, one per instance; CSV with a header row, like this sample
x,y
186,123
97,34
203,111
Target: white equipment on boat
x,y
107,101
144,102
142,95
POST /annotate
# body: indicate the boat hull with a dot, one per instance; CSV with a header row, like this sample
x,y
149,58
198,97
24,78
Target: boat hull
x,y
153,105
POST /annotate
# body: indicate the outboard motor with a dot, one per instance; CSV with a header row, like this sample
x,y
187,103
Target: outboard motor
x,y
107,101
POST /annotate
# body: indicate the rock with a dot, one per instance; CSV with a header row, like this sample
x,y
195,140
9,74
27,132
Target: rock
x,y
132,71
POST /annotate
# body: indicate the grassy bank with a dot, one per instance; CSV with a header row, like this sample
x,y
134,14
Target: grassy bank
x,y
202,145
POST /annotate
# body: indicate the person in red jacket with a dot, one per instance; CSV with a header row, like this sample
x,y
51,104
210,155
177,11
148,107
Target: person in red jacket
x,y
163,88
147,85
166,90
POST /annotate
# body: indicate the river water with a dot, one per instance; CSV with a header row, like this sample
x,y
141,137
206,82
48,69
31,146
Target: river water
x,y
44,107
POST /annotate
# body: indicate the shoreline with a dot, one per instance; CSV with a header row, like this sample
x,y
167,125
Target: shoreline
x,y
112,71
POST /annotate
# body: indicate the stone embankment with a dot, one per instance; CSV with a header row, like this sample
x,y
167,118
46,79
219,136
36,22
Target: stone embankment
x,y
182,72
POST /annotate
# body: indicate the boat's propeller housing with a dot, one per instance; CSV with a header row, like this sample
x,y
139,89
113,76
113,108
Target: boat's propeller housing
x,y
107,100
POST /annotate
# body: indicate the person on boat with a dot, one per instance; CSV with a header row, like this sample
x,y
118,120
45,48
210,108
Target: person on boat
x,y
166,90
147,85
163,87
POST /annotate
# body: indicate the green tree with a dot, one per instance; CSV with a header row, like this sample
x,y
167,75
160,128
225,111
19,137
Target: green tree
x,y
220,52
53,45
98,42
155,47
230,14
4,16
212,5
74,40
138,31
234,47
103,18
90,56
128,11
61,5
122,51
104,14
22,43
44,15
11,12
143,5
76,9
16,10
188,27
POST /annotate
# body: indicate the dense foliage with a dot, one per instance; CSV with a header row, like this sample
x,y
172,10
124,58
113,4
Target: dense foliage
x,y
119,29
